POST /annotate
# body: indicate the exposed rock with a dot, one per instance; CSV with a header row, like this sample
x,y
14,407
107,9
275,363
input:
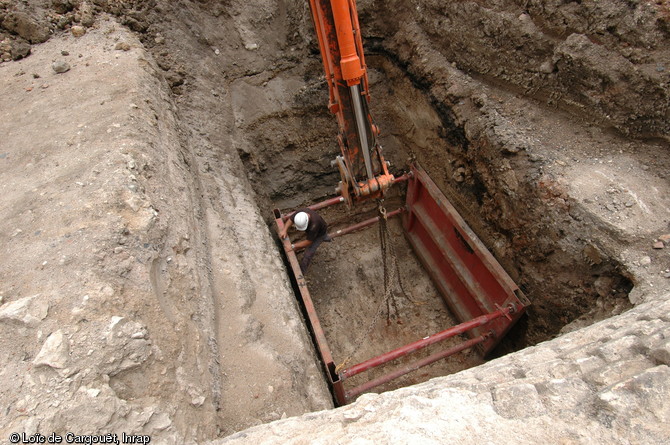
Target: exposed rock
x,y
60,66
593,254
547,67
62,6
138,24
27,310
26,26
55,351
127,346
85,15
19,49
160,422
78,31
64,21
99,412
604,285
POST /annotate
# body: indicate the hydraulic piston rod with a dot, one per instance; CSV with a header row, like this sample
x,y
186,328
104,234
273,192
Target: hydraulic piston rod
x,y
363,170
362,132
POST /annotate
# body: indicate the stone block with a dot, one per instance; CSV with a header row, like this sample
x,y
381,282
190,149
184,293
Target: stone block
x,y
517,401
581,350
469,384
620,349
535,354
552,369
565,344
563,394
614,373
639,407
657,309
651,327
652,341
587,365
661,354
494,373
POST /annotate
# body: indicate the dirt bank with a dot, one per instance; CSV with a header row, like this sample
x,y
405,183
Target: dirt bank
x,y
129,303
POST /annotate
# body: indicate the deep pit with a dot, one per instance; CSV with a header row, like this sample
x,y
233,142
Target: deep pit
x,y
563,284
346,281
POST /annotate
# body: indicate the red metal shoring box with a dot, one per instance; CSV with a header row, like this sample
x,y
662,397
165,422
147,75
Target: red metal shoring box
x,y
478,291
469,278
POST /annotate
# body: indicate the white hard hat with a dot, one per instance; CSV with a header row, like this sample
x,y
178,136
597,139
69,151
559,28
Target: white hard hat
x,y
301,220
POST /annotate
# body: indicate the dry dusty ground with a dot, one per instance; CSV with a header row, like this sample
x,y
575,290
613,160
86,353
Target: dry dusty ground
x,y
119,313
141,288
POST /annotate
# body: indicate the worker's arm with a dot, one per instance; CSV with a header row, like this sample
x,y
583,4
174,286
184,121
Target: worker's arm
x,y
284,231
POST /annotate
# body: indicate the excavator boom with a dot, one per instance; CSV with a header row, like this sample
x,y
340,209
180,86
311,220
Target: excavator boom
x,y
363,170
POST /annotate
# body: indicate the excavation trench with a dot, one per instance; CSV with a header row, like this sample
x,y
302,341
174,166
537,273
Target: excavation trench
x,y
461,88
290,167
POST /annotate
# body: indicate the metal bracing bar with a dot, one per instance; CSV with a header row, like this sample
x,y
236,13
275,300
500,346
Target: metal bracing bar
x,y
353,393
403,178
317,206
339,199
368,222
424,342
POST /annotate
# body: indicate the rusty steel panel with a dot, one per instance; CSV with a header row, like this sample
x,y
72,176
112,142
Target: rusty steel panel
x,y
469,278
313,318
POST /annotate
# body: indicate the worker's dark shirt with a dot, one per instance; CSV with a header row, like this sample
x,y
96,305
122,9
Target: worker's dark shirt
x,y
316,227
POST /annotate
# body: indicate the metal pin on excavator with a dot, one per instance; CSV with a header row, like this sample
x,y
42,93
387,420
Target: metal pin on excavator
x,y
476,288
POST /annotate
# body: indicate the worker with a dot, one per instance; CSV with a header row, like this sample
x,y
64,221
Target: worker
x,y
307,220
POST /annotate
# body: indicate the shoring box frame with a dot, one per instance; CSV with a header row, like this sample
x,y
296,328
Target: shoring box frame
x,y
474,286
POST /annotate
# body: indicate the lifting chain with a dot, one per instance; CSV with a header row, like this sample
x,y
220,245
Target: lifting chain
x,y
391,276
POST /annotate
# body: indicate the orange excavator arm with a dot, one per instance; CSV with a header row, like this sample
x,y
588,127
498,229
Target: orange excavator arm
x,y
363,170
